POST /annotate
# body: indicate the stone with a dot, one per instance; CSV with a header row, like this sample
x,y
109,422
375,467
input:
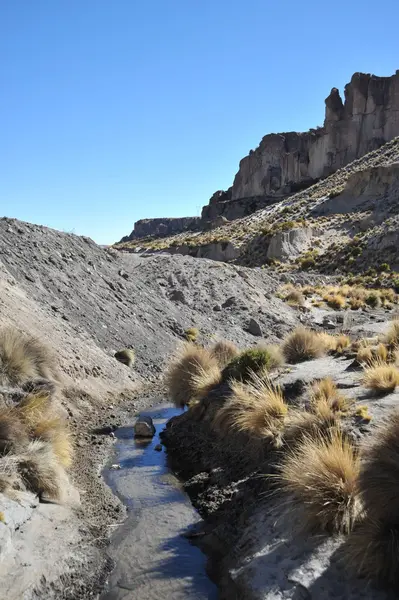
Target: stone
x,y
144,427
254,328
328,324
158,448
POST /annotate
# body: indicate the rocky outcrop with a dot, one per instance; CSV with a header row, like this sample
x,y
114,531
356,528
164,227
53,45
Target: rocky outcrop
x,y
162,227
374,188
235,209
367,118
286,245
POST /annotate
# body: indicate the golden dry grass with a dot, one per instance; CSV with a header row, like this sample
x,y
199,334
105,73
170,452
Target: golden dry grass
x,y
256,408
342,342
336,301
55,431
303,344
379,476
381,377
23,357
329,341
40,470
13,433
191,373
301,424
320,475
324,393
224,351
392,335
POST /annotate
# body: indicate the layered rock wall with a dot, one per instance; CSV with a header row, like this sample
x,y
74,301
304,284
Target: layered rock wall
x,y
162,227
367,118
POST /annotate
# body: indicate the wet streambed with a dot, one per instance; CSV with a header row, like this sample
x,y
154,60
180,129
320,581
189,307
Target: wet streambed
x,y
153,558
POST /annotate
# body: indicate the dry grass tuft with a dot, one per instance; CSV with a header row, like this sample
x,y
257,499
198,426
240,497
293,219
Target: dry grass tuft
x,y
256,408
336,301
303,344
320,474
392,335
324,393
379,476
342,342
13,433
302,424
40,470
24,357
329,341
224,351
192,371
371,551
381,377
55,431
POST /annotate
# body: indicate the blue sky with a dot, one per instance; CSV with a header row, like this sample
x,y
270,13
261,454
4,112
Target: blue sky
x,y
116,110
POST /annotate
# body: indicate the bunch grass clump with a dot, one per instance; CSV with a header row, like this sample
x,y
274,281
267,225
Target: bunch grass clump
x,y
256,408
325,392
380,377
224,351
320,475
191,373
303,344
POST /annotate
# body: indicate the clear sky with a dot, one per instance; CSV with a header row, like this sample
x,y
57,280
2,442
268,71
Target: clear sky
x,y
116,110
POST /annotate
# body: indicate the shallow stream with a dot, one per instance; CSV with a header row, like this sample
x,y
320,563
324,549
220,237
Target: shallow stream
x,y
153,558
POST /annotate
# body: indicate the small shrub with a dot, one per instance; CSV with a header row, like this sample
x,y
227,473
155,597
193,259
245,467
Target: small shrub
x,y
242,367
373,299
191,334
126,356
363,413
320,475
302,344
380,377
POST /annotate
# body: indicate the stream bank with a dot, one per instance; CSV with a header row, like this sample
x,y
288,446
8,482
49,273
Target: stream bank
x,y
152,555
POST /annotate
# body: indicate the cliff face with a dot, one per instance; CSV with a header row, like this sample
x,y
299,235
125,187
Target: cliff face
x,y
367,118
162,227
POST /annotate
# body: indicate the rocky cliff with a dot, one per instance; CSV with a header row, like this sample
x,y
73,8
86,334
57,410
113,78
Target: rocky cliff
x,y
368,117
162,227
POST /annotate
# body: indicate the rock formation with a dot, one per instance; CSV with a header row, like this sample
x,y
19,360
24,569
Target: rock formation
x,y
162,227
368,118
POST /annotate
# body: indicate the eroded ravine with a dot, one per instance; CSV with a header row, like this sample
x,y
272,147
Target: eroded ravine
x,y
153,559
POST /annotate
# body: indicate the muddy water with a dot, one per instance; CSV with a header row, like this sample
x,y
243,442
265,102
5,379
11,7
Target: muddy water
x,y
153,559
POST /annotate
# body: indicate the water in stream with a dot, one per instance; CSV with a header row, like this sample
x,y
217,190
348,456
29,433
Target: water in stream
x,y
153,559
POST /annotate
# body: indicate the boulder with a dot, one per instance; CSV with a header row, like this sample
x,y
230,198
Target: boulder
x,y
254,328
144,427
